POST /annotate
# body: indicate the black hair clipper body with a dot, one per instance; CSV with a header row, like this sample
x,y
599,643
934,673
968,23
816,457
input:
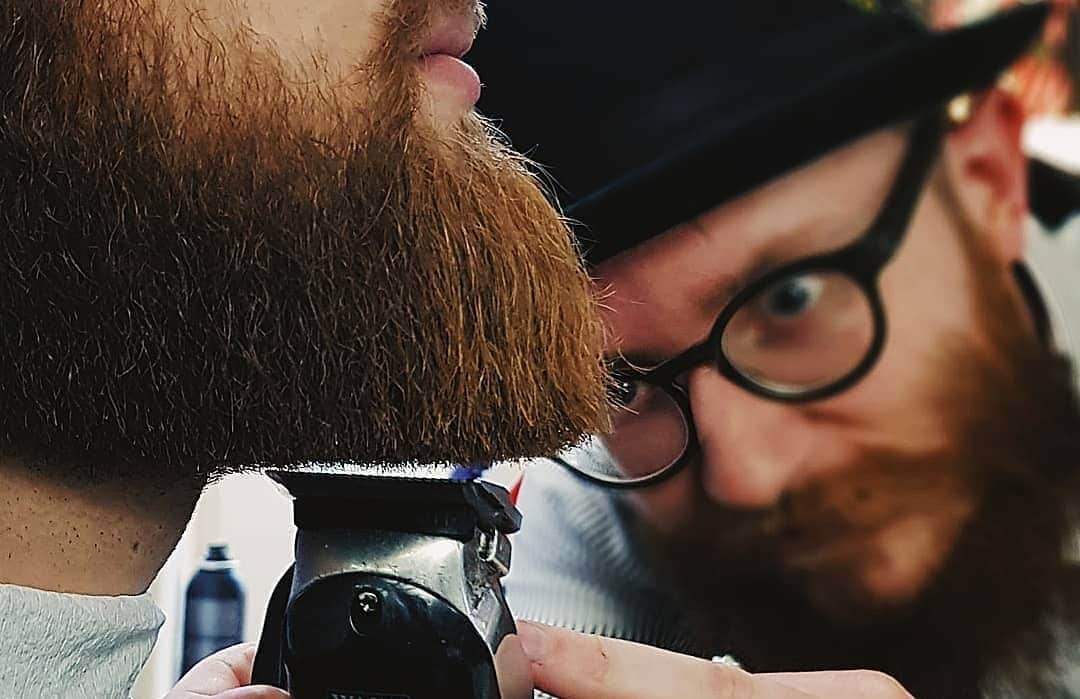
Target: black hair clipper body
x,y
396,592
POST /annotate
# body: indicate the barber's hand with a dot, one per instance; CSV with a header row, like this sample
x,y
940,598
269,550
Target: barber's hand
x,y
572,666
224,675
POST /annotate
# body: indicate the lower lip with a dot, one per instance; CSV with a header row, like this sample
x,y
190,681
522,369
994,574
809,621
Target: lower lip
x,y
454,72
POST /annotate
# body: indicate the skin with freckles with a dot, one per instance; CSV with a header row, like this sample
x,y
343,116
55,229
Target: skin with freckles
x,y
107,539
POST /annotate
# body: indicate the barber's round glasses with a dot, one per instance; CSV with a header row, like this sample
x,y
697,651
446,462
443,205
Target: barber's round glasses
x,y
803,332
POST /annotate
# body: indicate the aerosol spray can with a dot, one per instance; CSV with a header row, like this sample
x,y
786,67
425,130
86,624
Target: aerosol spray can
x,y
214,608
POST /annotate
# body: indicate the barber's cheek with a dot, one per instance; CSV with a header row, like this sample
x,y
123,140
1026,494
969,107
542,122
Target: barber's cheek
x,y
745,463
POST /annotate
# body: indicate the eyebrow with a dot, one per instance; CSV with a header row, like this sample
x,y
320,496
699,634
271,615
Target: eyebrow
x,y
816,235
755,268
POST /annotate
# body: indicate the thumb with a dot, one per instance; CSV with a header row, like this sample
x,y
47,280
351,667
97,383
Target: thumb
x,y
237,693
224,675
241,693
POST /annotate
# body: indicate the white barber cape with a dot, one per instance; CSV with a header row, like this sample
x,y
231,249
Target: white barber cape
x,y
55,646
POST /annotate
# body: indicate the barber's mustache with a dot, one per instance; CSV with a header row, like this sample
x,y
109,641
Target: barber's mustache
x,y
800,519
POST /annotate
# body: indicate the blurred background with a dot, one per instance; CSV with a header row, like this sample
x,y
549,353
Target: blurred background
x,y
1045,81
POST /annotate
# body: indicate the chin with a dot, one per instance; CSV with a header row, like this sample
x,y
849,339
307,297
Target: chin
x,y
446,108
862,595
886,576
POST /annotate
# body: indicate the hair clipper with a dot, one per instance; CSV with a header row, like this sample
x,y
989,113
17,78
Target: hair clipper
x,y
396,592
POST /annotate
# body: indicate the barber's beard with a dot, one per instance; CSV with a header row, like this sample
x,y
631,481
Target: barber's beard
x,y
990,609
214,260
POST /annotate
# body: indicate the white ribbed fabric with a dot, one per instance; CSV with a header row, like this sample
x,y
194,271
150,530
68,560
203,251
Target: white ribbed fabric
x,y
55,646
578,563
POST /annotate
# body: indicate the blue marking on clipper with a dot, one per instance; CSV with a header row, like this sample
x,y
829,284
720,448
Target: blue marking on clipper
x,y
468,473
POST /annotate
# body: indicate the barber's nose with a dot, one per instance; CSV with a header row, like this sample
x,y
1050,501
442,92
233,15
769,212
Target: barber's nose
x,y
753,450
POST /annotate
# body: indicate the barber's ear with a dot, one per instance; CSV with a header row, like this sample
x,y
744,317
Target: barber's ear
x,y
985,162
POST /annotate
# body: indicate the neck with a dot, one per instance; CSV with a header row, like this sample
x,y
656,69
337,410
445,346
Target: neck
x,y
102,536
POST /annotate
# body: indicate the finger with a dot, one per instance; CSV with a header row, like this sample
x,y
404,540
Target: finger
x,y
224,675
513,670
237,693
258,692
859,684
247,693
574,666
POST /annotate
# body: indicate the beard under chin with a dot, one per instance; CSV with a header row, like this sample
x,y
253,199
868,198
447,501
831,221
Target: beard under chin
x,y
214,260
993,607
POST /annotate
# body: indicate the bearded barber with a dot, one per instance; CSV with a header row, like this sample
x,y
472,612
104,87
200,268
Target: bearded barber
x,y
846,425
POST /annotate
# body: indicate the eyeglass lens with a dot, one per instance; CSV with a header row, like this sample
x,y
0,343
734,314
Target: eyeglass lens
x,y
801,333
649,435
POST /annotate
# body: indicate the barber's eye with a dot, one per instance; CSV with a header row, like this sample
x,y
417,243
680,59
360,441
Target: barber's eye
x,y
793,297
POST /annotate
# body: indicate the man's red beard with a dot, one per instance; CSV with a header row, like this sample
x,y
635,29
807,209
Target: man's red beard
x,y
214,259
989,604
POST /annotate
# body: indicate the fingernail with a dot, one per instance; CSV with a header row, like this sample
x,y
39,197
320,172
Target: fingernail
x,y
533,640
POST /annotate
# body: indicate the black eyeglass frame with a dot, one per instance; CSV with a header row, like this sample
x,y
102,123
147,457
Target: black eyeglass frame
x,y
861,261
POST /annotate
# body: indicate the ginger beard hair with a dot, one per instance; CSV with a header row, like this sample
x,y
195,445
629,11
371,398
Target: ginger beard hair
x,y
216,259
